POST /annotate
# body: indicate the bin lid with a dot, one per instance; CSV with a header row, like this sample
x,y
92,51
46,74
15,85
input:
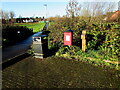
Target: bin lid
x,y
68,31
41,35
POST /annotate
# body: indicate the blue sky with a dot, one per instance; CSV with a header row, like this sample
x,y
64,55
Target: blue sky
x,y
29,9
36,8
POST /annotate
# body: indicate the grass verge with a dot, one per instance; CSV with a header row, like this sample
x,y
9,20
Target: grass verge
x,y
35,26
58,72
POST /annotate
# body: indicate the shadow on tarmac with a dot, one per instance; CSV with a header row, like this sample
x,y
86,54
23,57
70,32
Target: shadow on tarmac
x,y
14,60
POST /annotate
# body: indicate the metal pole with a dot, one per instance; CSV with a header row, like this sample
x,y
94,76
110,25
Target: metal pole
x,y
46,9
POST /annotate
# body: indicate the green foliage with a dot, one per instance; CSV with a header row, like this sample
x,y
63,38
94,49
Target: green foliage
x,y
67,50
13,34
63,24
105,37
99,35
102,40
94,57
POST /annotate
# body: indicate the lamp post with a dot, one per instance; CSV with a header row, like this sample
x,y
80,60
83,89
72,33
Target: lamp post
x,y
46,9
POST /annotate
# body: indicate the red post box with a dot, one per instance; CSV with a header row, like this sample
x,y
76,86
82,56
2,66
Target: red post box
x,y
68,37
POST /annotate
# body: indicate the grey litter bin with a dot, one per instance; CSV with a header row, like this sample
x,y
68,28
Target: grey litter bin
x,y
40,46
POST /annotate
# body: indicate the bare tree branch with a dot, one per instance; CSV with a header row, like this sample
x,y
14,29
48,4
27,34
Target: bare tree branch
x,y
73,8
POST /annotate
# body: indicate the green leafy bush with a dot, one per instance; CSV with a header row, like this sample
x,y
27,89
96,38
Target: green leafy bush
x,y
94,57
13,34
105,37
102,40
70,50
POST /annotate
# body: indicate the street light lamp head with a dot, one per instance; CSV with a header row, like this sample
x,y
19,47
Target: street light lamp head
x,y
45,4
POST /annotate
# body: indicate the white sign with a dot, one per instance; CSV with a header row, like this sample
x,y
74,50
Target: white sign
x,y
38,39
67,38
18,31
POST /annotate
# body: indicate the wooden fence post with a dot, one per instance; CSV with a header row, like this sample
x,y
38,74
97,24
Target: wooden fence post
x,y
83,40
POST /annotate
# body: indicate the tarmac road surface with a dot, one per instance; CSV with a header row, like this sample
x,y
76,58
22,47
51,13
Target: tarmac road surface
x,y
17,49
